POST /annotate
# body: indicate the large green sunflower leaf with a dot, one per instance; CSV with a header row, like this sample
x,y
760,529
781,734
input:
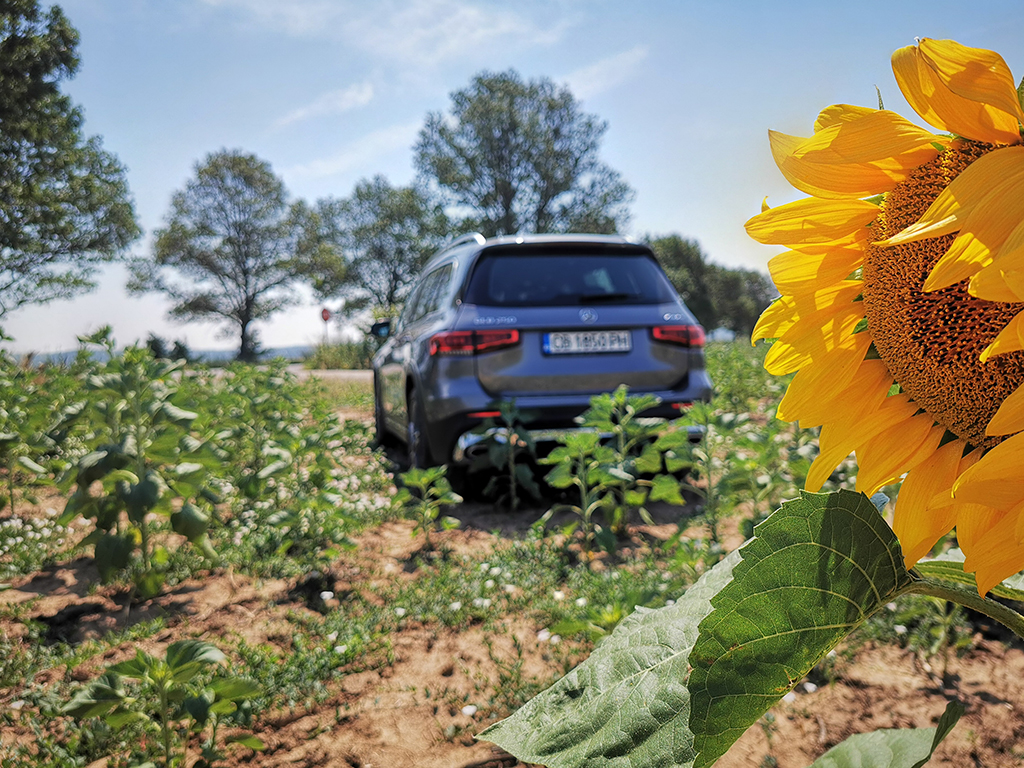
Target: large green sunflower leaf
x,y
814,571
892,748
627,705
949,566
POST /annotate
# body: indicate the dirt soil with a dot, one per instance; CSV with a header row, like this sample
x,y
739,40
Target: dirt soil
x,y
382,717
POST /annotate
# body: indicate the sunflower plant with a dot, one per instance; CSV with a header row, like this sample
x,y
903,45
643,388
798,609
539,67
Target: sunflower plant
x,y
901,319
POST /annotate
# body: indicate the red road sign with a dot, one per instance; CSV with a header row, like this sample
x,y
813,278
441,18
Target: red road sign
x,y
325,314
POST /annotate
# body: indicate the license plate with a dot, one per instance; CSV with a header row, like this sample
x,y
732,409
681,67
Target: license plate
x,y
587,342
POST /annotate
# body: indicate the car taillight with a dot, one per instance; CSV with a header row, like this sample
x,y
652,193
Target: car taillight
x,y
472,342
683,335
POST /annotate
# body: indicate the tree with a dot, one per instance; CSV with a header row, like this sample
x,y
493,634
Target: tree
x,y
233,241
64,201
719,297
521,156
368,247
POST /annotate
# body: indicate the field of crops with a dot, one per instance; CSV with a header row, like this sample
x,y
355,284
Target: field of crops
x,y
219,568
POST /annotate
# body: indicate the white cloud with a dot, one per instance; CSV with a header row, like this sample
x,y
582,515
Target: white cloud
x,y
607,73
416,32
332,103
361,152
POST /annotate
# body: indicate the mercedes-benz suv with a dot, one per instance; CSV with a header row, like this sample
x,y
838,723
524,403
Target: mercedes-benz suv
x,y
549,320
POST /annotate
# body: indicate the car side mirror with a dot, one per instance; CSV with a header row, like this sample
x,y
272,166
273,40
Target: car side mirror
x,y
382,329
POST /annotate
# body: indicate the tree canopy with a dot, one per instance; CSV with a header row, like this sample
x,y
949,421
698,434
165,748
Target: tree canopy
x,y
366,248
229,250
64,201
521,156
719,297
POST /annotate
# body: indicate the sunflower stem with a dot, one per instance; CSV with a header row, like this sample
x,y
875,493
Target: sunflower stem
x,y
970,598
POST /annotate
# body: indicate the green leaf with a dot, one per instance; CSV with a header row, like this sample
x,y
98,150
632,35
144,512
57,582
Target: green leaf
x,y
113,553
666,488
190,521
892,748
649,461
150,583
246,740
627,705
121,718
178,415
235,688
137,668
950,567
97,698
814,571
187,657
198,708
31,466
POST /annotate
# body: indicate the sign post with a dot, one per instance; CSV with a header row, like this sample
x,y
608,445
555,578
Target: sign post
x,y
325,315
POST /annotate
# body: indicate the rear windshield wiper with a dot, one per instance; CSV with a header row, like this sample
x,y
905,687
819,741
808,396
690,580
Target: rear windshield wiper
x,y
592,298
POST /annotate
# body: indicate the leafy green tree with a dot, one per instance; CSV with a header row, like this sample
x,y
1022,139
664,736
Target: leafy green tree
x,y
719,297
521,156
64,201
231,245
367,248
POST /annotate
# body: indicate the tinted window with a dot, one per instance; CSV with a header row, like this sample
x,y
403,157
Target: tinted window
x,y
433,291
536,280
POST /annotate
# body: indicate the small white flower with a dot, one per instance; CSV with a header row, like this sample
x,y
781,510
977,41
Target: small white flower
x,y
556,639
810,687
510,588
400,612
456,606
469,710
484,566
17,704
482,602
900,629
326,595
890,606
543,636
581,601
332,637
670,602
495,571
790,697
340,649
489,584
559,595
830,655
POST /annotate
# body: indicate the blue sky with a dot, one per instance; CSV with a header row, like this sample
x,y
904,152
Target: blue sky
x,y
332,91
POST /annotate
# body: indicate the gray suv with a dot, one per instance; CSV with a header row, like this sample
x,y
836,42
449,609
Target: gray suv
x,y
548,320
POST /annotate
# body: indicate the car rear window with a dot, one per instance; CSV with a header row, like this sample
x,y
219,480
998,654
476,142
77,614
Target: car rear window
x,y
548,280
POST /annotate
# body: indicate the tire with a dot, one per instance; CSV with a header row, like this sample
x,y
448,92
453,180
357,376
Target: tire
x,y
380,432
417,450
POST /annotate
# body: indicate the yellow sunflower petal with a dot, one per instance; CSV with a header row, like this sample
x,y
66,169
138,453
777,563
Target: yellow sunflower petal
x,y
841,438
840,113
997,553
994,284
784,312
987,481
794,272
1010,339
1009,419
865,155
812,336
829,385
959,199
967,91
983,233
814,222
893,452
917,527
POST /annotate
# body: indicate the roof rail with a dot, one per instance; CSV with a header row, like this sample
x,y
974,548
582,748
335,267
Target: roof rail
x,y
472,237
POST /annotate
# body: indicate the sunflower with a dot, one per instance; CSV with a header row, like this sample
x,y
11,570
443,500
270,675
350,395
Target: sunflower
x,y
902,307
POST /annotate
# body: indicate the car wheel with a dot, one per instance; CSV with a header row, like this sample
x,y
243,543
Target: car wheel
x,y
416,439
381,435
